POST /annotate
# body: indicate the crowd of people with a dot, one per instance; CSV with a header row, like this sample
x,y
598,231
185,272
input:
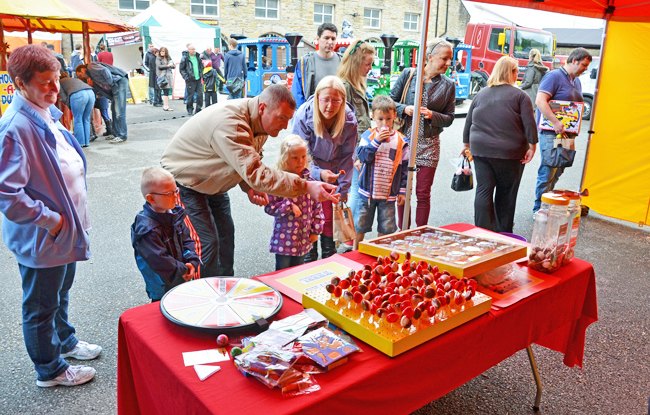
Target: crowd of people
x,y
340,149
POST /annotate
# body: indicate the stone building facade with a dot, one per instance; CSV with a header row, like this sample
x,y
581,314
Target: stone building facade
x,y
254,18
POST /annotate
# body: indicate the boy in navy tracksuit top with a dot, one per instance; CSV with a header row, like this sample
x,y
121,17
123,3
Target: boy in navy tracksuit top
x,y
163,248
384,155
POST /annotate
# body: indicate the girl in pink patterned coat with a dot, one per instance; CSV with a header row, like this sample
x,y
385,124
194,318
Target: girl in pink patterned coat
x,y
298,220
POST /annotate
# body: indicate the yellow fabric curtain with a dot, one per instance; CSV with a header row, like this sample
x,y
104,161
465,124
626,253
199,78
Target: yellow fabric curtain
x,y
617,170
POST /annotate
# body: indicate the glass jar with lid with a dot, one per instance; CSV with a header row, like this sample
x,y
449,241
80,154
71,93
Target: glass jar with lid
x,y
549,240
574,222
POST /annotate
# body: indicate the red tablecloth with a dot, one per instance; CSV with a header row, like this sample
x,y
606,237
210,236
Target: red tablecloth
x,y
153,380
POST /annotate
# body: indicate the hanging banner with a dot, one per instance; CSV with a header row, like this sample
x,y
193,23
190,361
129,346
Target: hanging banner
x,y
124,38
6,91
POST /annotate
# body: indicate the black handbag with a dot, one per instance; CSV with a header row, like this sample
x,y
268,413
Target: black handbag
x,y
234,86
558,157
462,181
161,81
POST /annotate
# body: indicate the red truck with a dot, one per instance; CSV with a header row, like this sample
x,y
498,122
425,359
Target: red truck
x,y
490,41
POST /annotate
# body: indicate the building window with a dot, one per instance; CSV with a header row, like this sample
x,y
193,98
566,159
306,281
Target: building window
x,y
372,18
204,8
134,4
323,13
411,21
267,9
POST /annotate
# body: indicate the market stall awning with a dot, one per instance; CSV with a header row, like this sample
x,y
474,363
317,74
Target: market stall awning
x,y
60,16
615,10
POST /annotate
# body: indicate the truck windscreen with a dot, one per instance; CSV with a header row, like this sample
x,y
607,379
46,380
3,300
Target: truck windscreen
x,y
525,41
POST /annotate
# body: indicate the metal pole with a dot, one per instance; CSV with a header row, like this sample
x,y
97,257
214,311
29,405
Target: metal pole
x,y
416,112
593,105
538,380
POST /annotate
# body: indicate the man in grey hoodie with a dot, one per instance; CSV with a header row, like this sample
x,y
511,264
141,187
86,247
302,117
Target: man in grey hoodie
x,y
234,67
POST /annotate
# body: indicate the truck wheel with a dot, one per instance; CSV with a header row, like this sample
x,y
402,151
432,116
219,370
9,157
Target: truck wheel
x,y
477,82
586,112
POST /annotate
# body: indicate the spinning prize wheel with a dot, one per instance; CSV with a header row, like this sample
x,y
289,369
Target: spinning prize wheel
x,y
221,304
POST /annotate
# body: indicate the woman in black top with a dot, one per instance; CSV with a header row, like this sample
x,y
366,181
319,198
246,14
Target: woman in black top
x,y
501,133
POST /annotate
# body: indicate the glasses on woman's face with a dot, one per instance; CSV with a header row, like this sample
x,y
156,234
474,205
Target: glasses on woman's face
x,y
172,193
328,100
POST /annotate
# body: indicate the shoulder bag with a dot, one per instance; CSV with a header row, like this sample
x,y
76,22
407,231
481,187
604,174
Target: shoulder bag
x,y
400,122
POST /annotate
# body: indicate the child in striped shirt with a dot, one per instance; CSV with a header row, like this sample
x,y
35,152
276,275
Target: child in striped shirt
x,y
384,155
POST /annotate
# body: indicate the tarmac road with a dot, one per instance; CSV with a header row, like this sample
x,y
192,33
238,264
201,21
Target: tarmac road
x,y
616,374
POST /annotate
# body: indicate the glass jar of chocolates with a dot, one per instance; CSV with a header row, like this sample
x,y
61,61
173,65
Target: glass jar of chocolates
x,y
549,240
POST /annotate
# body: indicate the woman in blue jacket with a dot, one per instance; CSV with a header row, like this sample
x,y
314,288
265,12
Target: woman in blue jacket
x,y
44,203
329,126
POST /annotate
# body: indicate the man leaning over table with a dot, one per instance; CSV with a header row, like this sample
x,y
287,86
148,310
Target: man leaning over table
x,y
221,147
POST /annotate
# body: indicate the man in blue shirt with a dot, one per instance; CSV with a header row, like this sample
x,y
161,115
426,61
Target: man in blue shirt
x,y
562,85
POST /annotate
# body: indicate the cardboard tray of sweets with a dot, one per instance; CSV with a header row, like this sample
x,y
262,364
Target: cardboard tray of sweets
x,y
468,266
390,338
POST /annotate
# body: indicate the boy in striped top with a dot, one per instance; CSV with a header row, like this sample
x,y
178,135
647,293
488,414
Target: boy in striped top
x,y
384,155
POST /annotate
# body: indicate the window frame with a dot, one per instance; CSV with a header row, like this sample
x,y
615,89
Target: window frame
x,y
134,8
323,14
216,6
411,22
266,9
370,18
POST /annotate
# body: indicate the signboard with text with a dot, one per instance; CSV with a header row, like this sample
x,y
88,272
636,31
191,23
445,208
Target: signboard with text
x,y
7,90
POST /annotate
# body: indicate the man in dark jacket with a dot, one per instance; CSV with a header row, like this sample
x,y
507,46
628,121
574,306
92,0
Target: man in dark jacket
x,y
234,67
191,69
150,63
113,83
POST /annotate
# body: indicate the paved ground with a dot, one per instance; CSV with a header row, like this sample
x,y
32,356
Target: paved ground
x,y
616,374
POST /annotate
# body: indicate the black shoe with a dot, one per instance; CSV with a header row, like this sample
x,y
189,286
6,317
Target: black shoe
x,y
190,112
157,105
197,111
93,138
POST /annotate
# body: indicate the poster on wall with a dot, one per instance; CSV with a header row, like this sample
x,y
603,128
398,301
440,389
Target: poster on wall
x,y
6,91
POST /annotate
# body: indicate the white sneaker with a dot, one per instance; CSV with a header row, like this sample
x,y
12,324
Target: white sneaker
x,y
73,376
84,351
117,140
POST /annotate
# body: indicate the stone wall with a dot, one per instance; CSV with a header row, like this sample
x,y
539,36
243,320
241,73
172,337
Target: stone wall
x,y
237,17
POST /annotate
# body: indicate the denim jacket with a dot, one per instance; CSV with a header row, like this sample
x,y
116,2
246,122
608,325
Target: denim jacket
x,y
33,193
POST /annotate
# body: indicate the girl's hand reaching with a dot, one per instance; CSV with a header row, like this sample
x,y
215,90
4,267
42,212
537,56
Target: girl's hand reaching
x,y
296,210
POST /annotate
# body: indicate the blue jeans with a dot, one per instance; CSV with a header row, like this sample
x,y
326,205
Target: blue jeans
x,y
215,241
353,194
194,93
547,176
103,104
118,107
286,261
155,96
82,104
385,215
46,329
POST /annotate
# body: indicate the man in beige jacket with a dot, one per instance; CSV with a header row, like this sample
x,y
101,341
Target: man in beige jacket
x,y
220,148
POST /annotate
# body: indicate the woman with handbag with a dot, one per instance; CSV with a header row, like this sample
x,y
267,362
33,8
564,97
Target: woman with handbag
x,y
501,133
165,76
438,104
329,126
355,66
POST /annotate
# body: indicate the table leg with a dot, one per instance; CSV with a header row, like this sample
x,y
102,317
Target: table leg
x,y
538,380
